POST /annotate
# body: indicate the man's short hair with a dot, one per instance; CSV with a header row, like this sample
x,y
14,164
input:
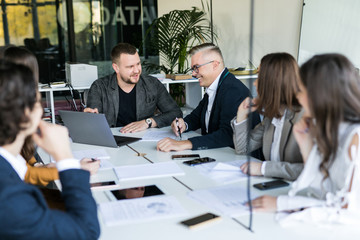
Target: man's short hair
x,y
18,91
208,47
122,48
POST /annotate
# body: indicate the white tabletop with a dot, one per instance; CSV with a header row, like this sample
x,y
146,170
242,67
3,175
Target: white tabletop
x,y
264,224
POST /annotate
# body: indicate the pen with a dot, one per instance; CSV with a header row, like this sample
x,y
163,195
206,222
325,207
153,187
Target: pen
x,y
93,159
177,124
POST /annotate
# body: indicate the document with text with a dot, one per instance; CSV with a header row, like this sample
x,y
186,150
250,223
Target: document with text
x,y
140,210
227,200
158,135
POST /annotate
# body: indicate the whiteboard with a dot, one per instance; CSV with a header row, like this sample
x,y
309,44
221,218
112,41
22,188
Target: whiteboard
x,y
330,26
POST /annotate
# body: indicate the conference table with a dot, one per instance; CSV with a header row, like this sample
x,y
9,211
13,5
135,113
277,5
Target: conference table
x,y
264,225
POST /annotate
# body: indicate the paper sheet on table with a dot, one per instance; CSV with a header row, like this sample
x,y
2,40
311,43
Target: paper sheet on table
x,y
228,200
140,209
158,135
164,169
98,153
223,172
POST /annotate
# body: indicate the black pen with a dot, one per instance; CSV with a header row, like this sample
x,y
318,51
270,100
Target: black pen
x,y
177,124
93,159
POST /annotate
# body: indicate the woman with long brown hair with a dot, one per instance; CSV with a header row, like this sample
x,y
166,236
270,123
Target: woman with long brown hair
x,y
328,137
276,85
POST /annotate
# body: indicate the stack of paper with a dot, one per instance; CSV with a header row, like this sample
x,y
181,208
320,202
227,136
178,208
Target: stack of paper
x,y
140,209
133,172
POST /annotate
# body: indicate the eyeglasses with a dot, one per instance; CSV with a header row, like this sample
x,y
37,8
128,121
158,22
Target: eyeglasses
x,y
195,68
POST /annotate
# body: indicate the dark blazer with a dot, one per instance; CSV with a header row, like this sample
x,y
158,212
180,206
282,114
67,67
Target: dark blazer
x,y
24,214
230,93
291,163
150,95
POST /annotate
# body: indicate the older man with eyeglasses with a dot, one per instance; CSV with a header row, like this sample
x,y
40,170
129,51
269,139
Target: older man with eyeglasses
x,y
223,95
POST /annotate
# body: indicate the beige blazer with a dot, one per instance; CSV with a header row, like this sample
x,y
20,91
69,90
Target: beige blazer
x,y
291,163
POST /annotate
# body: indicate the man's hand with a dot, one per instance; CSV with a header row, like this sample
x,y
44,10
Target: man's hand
x,y
168,144
137,126
54,139
264,204
90,165
91,110
255,168
180,124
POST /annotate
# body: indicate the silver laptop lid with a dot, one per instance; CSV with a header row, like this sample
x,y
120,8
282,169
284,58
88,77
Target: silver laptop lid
x,y
88,128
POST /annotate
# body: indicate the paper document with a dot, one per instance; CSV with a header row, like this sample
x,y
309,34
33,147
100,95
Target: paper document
x,y
98,153
226,200
140,210
105,164
223,172
158,135
164,169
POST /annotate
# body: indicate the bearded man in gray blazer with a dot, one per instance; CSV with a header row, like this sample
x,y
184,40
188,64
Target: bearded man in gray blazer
x,y
127,98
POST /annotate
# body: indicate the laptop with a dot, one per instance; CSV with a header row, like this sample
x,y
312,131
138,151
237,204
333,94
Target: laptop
x,y
91,128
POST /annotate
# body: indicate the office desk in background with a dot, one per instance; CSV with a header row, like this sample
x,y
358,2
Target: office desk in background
x,y
50,96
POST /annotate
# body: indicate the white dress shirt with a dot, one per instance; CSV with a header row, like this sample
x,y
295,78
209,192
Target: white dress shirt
x,y
275,146
211,91
18,163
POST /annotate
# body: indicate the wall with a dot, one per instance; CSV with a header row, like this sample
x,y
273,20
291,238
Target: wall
x,y
276,26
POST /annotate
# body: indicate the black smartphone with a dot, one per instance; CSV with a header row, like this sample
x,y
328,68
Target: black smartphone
x,y
199,161
200,220
184,156
271,185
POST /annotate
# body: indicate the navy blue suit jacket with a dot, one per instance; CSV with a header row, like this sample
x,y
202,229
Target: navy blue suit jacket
x,y
24,214
230,93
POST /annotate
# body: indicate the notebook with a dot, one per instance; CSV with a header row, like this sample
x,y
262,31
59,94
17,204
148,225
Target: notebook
x,y
90,128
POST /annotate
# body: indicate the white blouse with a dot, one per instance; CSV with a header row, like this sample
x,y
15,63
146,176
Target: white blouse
x,y
312,192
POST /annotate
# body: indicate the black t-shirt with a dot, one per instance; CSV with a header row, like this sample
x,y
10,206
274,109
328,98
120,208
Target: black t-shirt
x,y
127,107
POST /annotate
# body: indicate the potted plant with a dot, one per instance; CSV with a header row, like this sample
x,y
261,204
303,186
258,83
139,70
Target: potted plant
x,y
173,35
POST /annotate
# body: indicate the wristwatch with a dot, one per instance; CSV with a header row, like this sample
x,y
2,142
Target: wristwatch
x,y
149,122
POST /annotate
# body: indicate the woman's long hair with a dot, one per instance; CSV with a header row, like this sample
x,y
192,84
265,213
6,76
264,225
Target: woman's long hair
x,y
277,84
333,89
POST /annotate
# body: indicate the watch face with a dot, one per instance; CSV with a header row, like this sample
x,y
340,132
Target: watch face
x,y
149,122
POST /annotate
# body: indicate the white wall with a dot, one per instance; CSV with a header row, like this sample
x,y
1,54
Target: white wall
x,y
277,26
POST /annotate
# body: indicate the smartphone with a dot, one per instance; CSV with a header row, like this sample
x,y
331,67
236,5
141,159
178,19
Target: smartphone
x,y
199,161
271,185
184,156
200,220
